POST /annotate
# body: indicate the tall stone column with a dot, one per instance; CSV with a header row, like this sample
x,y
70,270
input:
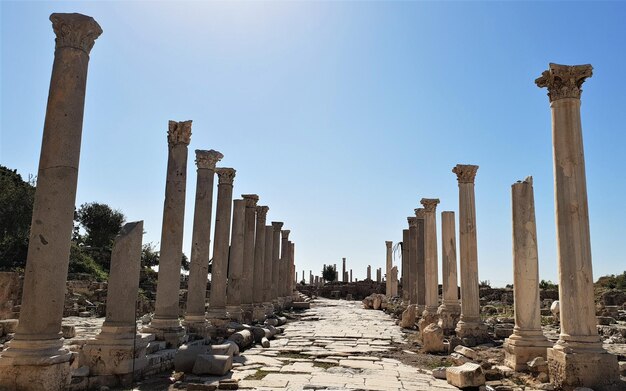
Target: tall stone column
x,y
276,226
292,254
527,340
118,349
343,270
285,251
369,272
389,265
406,296
350,275
259,264
235,264
412,261
35,358
450,309
247,279
201,238
577,358
268,270
165,323
470,325
420,260
379,277
217,301
430,263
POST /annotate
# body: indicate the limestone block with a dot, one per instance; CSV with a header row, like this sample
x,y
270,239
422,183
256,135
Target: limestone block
x,y
265,342
537,364
466,375
440,373
68,331
9,325
234,346
186,356
408,317
432,339
503,330
208,364
467,352
243,338
377,302
555,309
568,370
225,349
459,359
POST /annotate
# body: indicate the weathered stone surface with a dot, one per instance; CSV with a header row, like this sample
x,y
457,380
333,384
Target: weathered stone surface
x,y
243,338
208,364
467,352
186,355
408,316
432,339
466,375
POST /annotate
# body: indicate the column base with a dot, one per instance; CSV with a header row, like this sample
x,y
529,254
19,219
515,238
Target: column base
x,y
598,371
247,313
258,313
449,315
49,377
472,333
218,317
269,309
520,349
110,355
195,318
165,329
234,313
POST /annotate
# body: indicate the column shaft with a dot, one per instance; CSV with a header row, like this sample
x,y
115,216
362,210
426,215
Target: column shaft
x,y
449,310
412,262
276,225
235,264
406,283
420,260
268,266
247,280
259,255
389,265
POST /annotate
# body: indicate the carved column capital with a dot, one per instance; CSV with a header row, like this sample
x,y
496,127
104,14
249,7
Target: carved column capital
x,y
412,221
207,159
261,212
285,233
564,81
465,173
419,213
225,175
179,133
277,225
75,31
251,200
430,204
388,243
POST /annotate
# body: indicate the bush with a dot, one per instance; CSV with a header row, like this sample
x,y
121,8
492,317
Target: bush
x,y
80,262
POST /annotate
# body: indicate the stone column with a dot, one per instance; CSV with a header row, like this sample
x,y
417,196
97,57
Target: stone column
x,y
369,272
219,269
450,309
201,238
527,340
284,261
420,260
379,277
118,349
343,270
389,265
276,226
35,358
577,358
268,270
259,264
165,323
470,326
406,296
292,253
247,279
350,275
394,281
430,265
412,261
235,263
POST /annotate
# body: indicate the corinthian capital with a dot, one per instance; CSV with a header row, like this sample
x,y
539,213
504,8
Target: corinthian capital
x,y
564,81
225,175
412,221
285,233
75,31
207,159
179,133
465,173
419,213
251,200
277,225
430,204
261,213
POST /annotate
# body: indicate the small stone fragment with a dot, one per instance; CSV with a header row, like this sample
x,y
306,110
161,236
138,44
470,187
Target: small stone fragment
x,y
466,375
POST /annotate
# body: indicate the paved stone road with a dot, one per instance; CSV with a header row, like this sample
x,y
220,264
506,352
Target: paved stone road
x,y
337,345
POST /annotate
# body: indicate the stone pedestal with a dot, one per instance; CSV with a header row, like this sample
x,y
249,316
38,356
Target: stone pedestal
x,y
268,270
201,238
527,340
420,261
235,264
578,357
430,258
450,309
470,326
389,265
165,323
118,349
35,358
247,279
259,264
219,269
276,226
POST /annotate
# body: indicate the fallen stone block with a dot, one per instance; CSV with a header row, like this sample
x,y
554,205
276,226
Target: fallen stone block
x,y
243,338
467,352
209,364
466,375
408,317
265,342
432,339
271,322
537,364
68,331
225,349
440,373
459,359
186,356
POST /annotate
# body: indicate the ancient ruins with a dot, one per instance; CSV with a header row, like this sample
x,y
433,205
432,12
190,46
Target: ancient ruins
x,y
253,324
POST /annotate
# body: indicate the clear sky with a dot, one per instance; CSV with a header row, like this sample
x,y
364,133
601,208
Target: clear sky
x,y
340,115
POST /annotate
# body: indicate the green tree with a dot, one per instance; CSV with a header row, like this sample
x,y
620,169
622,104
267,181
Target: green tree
x,y
101,224
547,285
16,210
329,273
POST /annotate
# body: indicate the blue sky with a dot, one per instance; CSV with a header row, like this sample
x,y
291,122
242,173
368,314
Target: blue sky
x,y
340,115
